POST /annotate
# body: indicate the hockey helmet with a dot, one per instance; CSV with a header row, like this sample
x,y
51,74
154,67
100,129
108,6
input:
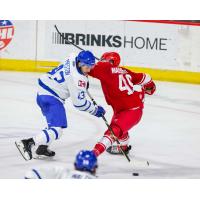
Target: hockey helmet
x,y
86,58
86,161
112,57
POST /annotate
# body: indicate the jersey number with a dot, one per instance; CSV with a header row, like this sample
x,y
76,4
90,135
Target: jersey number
x,y
81,95
125,83
58,74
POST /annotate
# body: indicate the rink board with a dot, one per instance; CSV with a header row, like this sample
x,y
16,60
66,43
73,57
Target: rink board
x,y
168,52
157,74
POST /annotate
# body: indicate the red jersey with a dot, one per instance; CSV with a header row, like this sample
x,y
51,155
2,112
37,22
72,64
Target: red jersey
x,y
119,86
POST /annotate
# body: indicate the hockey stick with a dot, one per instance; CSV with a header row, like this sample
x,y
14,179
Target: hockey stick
x,y
146,163
110,129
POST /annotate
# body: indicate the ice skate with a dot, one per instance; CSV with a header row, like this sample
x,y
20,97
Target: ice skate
x,y
43,152
24,147
115,149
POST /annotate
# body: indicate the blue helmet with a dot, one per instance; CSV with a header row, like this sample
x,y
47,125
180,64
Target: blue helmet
x,y
86,161
86,58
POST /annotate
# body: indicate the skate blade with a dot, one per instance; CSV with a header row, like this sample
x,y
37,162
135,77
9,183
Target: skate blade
x,y
24,154
117,153
139,162
42,157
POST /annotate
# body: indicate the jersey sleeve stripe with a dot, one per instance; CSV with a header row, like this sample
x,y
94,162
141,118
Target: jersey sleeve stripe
x,y
88,106
143,78
95,110
81,105
91,111
146,79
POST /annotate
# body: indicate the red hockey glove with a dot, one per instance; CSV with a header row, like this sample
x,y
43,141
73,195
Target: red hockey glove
x,y
149,88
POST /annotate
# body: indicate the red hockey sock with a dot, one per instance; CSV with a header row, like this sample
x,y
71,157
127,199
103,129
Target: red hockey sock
x,y
99,149
101,146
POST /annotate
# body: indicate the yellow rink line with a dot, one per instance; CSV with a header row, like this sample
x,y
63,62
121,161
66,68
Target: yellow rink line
x,y
27,65
157,74
170,75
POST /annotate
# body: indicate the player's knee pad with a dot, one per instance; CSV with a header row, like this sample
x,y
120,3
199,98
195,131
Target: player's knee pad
x,y
116,129
124,139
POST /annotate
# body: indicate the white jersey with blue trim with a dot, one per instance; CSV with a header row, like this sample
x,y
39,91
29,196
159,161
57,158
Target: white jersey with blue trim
x,y
56,172
66,81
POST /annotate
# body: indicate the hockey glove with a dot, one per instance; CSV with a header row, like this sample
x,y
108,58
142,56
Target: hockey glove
x,y
99,112
149,88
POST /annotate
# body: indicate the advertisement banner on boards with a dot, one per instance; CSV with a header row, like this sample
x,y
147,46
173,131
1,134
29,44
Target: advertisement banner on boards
x,y
139,44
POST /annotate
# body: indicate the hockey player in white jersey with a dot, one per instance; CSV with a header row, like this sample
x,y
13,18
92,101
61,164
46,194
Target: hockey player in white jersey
x,y
67,80
85,168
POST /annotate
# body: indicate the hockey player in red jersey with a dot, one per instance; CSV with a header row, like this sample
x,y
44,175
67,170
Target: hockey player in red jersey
x,y
124,90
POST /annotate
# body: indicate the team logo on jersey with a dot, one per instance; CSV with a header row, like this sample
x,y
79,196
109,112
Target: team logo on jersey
x,y
81,83
6,33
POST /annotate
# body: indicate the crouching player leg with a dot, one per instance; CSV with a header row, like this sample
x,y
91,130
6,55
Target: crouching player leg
x,y
54,112
121,123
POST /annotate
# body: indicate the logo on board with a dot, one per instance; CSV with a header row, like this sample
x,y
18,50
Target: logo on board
x,y
6,33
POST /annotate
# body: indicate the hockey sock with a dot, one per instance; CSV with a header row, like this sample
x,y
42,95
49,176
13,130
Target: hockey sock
x,y
48,135
101,146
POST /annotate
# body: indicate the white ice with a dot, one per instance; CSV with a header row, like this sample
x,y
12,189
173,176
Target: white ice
x,y
168,135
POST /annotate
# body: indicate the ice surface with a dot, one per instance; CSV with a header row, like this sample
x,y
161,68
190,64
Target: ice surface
x,y
168,135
